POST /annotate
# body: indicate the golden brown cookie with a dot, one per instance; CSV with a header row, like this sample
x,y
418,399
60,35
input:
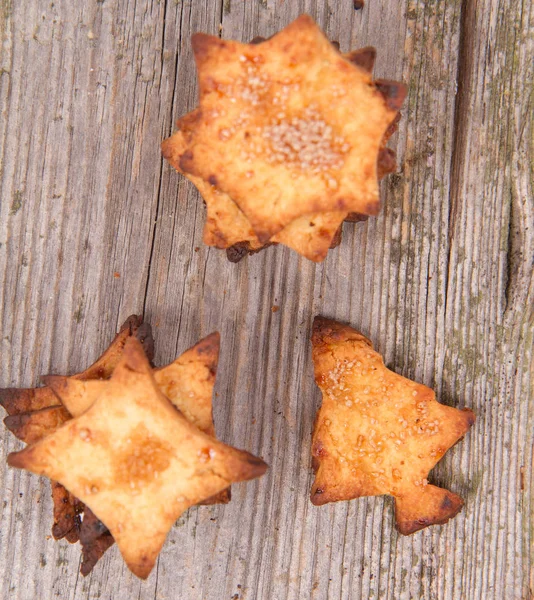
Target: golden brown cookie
x,y
136,461
377,432
278,131
226,225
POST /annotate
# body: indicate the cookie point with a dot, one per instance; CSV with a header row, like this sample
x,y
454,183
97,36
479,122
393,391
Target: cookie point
x,y
202,43
323,325
132,322
18,460
364,58
393,92
317,497
134,357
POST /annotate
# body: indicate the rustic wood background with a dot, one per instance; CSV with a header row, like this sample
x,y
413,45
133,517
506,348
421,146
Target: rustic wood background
x,y
94,227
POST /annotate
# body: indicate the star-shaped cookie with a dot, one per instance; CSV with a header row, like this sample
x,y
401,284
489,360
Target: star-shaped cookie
x,y
136,461
310,235
286,128
377,432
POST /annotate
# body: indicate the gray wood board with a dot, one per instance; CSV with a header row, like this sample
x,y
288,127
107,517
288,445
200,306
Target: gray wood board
x,y
94,227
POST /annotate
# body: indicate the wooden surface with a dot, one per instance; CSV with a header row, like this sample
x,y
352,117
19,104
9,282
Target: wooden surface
x,y
94,227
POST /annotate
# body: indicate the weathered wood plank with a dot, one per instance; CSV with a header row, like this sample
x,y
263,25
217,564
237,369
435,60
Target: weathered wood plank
x,y
490,295
441,281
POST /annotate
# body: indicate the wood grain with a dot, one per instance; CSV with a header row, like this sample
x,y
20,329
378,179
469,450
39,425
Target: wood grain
x,y
93,227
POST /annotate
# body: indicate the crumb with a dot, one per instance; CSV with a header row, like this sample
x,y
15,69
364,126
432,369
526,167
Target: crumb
x,y
275,308
116,275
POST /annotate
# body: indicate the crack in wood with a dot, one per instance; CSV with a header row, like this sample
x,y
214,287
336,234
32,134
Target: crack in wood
x,y
461,111
158,199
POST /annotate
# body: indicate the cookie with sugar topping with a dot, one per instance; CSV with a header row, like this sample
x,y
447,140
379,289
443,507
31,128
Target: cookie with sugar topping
x,y
187,382
287,127
377,432
136,461
310,235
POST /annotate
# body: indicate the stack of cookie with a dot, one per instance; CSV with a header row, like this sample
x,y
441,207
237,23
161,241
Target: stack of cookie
x,y
132,443
288,141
